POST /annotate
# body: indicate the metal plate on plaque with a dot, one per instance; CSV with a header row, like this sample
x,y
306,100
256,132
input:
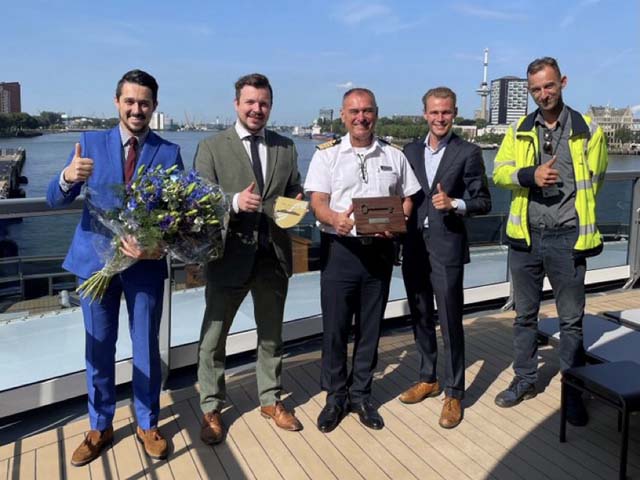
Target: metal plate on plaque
x,y
378,214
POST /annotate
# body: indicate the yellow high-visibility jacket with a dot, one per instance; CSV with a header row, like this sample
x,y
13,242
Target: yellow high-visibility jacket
x,y
515,166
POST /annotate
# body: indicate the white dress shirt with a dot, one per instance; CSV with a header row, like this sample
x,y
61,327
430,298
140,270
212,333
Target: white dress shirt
x,y
245,135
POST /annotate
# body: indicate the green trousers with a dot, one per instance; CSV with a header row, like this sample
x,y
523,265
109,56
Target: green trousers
x,y
268,286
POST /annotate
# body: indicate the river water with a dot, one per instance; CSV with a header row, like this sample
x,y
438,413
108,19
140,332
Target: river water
x,y
47,154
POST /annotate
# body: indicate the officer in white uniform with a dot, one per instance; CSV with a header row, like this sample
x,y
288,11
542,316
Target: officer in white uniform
x,y
355,271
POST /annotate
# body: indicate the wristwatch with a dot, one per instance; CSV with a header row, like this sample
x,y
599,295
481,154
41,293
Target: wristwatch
x,y
454,204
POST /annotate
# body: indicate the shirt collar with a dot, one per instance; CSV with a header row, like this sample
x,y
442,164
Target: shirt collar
x,y
345,144
125,136
562,118
441,144
244,133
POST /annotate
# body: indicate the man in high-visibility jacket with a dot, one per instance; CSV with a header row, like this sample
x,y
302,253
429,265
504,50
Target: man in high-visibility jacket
x,y
554,161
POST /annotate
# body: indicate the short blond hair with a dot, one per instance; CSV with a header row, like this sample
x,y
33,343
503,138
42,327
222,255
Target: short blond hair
x,y
439,92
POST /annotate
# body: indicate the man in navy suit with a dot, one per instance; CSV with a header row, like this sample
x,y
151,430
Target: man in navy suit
x,y
102,160
451,172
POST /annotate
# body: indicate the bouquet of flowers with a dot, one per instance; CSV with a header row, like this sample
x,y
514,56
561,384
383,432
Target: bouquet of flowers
x,y
166,211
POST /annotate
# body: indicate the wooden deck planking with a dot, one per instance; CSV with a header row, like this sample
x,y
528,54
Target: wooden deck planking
x,y
368,466
518,423
274,447
533,413
230,456
124,453
482,450
521,442
296,444
23,467
335,461
254,453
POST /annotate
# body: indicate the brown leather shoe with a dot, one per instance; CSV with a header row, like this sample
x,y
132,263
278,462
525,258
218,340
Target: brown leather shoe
x,y
212,430
155,446
91,447
283,418
419,392
451,415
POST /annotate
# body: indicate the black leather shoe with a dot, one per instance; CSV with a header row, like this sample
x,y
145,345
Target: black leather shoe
x,y
518,391
330,418
369,416
576,412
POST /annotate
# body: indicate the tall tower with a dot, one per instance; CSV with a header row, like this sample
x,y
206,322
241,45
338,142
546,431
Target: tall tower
x,y
483,91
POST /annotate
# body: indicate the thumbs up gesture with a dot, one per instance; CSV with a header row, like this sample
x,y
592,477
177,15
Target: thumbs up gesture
x,y
545,175
441,200
249,201
79,169
342,221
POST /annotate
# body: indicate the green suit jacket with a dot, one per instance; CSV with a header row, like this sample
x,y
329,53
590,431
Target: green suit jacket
x,y
223,159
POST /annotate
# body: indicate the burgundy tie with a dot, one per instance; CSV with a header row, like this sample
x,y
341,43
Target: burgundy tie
x,y
132,157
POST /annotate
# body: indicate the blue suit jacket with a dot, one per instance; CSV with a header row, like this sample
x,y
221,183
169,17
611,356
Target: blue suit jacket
x,y
91,239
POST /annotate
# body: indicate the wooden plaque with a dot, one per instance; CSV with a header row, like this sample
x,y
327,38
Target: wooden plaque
x,y
378,214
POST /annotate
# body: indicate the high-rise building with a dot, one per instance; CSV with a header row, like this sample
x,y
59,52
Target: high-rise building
x,y
10,97
508,100
326,114
157,121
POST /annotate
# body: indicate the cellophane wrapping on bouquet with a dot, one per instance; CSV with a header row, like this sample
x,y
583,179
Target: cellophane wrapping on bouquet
x,y
169,211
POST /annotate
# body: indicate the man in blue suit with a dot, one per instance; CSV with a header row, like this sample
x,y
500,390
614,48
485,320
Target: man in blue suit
x,y
102,160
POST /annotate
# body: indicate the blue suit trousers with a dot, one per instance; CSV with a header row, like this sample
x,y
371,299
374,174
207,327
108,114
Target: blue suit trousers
x,y
144,306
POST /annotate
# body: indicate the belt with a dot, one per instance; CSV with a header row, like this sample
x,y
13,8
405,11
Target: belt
x,y
557,229
364,241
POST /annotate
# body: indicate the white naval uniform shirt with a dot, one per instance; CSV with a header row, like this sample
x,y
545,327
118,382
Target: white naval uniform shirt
x,y
337,171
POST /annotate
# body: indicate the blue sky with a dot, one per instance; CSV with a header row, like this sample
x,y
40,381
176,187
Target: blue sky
x,y
68,55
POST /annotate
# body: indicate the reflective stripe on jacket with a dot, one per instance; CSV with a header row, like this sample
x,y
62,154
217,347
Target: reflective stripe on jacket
x,y
514,168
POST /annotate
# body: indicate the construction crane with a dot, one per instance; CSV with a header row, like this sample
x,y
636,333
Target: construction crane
x,y
188,125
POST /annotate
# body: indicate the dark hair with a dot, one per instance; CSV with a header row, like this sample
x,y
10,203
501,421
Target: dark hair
x,y
540,63
141,78
366,91
255,80
439,92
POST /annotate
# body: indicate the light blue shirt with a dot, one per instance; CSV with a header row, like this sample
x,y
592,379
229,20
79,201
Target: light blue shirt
x,y
432,158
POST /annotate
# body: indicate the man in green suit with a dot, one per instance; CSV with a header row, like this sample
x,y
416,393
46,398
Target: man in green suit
x,y
254,166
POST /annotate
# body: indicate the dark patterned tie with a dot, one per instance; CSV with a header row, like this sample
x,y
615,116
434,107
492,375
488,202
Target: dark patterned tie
x,y
132,158
263,227
255,162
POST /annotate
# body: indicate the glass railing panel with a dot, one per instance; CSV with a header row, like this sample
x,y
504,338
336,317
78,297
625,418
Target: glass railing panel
x,y
31,253
42,333
43,248
613,215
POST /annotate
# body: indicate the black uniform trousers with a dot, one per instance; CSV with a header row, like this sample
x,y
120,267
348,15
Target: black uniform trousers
x,y
354,284
425,276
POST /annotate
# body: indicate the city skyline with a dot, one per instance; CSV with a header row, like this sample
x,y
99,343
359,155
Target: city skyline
x,y
72,54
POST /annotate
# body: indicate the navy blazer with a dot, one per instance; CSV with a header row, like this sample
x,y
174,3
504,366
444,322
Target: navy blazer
x,y
91,240
462,175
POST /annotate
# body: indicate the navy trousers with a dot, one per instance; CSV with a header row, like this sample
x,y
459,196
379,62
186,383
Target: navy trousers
x,y
425,276
354,284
